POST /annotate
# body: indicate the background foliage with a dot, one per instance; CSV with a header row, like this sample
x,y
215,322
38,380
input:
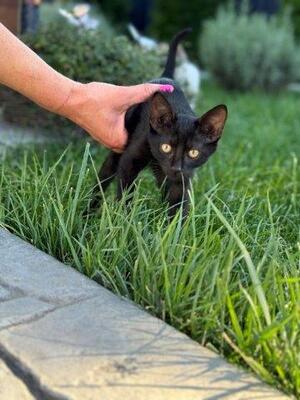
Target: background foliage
x,y
245,51
117,11
170,16
92,55
295,8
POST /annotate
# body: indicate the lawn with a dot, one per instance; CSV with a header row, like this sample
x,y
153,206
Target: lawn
x,y
229,277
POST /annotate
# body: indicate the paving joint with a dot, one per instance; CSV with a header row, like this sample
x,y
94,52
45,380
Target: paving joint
x,y
42,315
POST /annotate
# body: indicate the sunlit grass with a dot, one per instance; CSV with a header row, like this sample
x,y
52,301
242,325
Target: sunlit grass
x,y
229,277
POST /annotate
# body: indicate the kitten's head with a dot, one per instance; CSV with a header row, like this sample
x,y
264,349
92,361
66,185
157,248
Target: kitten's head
x,y
180,143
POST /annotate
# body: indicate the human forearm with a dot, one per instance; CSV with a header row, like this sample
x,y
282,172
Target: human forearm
x,y
97,107
24,71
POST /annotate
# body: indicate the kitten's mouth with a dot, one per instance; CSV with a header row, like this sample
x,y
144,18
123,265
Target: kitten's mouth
x,y
175,176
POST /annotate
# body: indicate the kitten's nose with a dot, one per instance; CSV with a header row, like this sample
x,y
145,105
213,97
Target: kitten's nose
x,y
176,168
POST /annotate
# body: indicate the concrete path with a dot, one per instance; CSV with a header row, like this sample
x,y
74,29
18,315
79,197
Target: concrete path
x,y
12,135
62,336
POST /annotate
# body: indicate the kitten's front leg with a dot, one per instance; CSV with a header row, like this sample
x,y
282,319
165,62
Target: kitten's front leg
x,y
160,177
177,196
176,193
105,176
128,170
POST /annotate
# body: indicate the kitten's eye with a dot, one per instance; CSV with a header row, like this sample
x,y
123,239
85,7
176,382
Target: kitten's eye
x,y
194,153
166,148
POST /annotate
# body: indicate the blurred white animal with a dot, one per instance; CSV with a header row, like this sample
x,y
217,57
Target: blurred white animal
x,y
145,42
187,73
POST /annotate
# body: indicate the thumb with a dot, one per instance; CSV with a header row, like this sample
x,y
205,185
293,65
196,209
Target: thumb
x,y
139,93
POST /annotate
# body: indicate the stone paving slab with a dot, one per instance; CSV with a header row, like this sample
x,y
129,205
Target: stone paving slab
x,y
10,135
11,388
105,347
29,270
4,294
20,310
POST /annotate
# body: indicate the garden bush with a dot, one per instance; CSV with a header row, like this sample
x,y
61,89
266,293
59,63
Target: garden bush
x,y
84,56
93,55
295,8
245,51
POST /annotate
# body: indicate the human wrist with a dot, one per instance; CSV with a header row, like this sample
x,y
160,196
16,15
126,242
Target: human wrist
x,y
70,107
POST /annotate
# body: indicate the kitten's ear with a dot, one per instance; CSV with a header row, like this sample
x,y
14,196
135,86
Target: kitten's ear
x,y
211,124
161,114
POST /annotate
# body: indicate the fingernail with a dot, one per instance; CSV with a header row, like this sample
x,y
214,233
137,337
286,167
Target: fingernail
x,y
166,88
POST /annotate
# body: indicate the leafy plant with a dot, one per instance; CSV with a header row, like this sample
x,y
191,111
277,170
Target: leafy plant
x,y
92,55
245,51
295,9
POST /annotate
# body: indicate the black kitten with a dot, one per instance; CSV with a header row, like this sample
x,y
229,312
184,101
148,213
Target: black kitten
x,y
165,134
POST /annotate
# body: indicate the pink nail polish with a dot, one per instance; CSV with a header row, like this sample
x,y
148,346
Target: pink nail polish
x,y
166,88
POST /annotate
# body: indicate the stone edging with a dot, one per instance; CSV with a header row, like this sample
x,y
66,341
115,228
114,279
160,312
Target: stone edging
x,y
62,336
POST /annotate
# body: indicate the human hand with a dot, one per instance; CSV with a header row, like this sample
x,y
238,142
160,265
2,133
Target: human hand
x,y
99,108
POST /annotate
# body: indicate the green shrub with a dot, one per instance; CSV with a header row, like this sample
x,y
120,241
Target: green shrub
x,y
295,8
93,55
84,56
249,51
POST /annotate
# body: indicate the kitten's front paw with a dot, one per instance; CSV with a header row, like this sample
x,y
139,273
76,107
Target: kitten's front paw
x,y
93,206
179,207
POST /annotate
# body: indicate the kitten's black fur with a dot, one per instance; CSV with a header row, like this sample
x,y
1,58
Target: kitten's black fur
x,y
166,119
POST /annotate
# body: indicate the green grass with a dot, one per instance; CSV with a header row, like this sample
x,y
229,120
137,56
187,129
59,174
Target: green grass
x,y
229,277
